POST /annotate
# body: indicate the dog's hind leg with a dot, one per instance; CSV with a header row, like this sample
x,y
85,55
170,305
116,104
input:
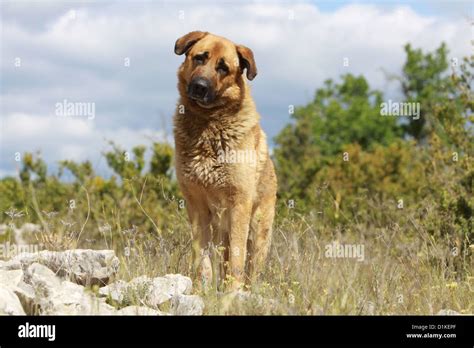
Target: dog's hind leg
x,y
260,237
261,223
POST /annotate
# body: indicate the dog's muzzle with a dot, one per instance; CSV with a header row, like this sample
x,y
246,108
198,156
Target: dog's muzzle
x,y
200,90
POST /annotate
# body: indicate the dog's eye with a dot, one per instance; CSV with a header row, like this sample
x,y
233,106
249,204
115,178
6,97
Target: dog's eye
x,y
199,59
222,69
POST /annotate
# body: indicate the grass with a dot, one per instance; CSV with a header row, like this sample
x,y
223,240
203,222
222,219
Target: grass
x,y
405,269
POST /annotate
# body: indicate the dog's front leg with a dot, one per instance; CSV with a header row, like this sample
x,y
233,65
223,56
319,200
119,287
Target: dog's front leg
x,y
200,219
239,230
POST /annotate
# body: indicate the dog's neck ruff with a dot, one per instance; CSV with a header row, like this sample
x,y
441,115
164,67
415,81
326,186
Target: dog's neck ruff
x,y
200,141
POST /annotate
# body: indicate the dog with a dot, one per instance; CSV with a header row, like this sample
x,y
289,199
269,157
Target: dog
x,y
222,160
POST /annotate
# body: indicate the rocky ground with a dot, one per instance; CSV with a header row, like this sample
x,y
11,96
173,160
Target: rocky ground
x,y
86,282
81,282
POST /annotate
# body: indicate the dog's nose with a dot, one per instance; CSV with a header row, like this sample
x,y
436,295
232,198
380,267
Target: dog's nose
x,y
199,88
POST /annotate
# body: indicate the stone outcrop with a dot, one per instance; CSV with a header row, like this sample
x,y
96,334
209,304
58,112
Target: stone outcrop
x,y
85,267
81,282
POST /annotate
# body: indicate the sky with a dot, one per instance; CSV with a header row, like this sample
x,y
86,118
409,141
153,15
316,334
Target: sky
x,y
118,56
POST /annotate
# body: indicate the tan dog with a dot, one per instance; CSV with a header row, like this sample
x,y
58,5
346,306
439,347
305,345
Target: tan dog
x,y
222,161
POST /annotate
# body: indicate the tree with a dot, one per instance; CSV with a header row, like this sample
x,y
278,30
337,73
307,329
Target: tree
x,y
340,114
123,165
161,160
425,80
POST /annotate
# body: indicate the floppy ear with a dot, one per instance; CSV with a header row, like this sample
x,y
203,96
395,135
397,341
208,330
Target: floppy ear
x,y
183,44
247,61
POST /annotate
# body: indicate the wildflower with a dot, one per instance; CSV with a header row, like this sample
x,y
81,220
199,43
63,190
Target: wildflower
x,y
105,228
130,231
50,214
13,213
67,223
452,285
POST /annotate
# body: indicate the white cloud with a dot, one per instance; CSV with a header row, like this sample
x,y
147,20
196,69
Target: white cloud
x,y
61,138
81,59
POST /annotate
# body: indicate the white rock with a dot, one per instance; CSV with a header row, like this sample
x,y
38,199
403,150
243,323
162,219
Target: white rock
x,y
73,299
10,265
83,266
54,296
9,302
138,310
165,288
38,283
239,298
148,291
11,278
68,293
447,312
115,290
182,284
89,306
187,305
40,276
27,296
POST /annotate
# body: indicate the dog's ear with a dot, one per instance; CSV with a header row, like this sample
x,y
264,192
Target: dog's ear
x,y
183,44
247,61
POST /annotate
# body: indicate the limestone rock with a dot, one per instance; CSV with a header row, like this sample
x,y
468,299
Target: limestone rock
x,y
27,296
11,278
116,291
55,296
40,276
52,283
9,302
447,312
148,291
83,266
187,305
138,310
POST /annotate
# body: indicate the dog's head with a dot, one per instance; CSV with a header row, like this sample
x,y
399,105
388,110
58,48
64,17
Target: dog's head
x,y
211,74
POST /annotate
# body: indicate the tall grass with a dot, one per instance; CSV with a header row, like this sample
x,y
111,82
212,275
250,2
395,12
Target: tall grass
x,y
405,269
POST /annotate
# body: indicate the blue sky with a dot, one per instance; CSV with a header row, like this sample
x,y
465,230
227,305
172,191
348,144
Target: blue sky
x,y
423,7
75,51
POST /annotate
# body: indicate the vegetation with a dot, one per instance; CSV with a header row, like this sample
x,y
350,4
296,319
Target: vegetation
x,y
400,187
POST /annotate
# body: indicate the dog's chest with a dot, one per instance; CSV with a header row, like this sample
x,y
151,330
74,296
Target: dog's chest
x,y
201,157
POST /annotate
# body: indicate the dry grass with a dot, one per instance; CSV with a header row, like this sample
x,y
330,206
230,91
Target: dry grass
x,y
405,270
